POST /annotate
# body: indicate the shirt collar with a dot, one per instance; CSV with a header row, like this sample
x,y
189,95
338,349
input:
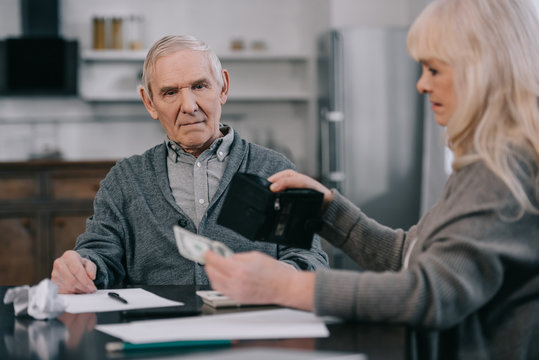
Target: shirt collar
x,y
220,147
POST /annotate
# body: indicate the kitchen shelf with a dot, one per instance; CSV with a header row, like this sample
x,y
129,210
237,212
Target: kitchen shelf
x,y
113,55
292,97
140,55
113,75
270,97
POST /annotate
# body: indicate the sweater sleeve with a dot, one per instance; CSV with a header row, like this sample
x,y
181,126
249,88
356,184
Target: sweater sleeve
x,y
103,240
372,245
312,259
466,251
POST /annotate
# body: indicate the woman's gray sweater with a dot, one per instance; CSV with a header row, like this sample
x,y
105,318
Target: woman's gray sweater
x,y
466,278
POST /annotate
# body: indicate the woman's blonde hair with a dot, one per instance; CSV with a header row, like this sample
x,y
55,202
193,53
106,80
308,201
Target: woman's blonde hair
x,y
493,47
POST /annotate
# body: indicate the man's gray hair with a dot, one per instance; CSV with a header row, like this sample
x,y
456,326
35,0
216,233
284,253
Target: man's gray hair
x,y
174,43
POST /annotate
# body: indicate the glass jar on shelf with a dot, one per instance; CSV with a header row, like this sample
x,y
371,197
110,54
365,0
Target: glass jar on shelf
x,y
99,33
116,33
134,25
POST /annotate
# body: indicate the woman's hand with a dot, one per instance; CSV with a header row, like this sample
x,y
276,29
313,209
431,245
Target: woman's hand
x,y
290,179
256,278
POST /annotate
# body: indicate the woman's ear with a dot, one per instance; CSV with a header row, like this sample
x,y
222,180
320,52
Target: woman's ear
x,y
224,89
148,103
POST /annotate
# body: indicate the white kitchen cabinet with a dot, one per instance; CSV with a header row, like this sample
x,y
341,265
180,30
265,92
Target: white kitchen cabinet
x,y
109,75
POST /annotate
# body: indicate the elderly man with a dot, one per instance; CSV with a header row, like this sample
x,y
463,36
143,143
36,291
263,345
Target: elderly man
x,y
183,181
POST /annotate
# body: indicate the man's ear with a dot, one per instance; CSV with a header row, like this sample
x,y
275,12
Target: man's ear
x,y
148,103
224,90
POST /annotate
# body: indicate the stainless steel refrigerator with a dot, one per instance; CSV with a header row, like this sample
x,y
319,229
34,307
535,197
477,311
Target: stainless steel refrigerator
x,y
371,120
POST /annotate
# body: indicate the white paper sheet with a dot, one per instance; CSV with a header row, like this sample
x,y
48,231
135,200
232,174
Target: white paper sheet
x,y
262,353
263,324
100,301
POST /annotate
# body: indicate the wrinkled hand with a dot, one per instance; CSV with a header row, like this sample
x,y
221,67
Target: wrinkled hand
x,y
251,277
256,278
74,274
290,179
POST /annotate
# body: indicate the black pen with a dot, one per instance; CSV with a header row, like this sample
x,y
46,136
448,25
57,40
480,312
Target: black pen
x,y
115,296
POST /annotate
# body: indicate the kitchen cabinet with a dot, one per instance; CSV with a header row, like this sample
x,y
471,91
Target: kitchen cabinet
x,y
43,208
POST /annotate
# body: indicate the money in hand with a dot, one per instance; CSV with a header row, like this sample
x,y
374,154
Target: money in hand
x,y
192,246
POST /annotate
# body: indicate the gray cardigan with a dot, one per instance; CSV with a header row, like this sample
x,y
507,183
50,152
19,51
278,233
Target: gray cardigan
x,y
466,277
130,236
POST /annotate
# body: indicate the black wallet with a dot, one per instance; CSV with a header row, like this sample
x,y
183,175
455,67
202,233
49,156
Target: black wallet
x,y
251,209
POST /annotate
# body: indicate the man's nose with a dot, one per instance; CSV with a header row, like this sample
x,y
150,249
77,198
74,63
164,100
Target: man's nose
x,y
188,103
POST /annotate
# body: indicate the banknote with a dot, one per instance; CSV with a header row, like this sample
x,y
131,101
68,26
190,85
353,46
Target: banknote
x,y
192,246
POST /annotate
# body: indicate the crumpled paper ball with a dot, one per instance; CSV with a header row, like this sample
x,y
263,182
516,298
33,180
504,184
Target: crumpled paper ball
x,y
40,301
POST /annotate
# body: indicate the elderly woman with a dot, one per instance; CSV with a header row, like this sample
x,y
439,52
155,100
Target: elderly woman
x,y
466,277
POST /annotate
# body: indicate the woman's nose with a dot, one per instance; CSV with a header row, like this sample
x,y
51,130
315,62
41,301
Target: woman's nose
x,y
422,85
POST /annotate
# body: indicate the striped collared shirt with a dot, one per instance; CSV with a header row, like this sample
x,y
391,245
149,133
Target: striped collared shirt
x,y
194,181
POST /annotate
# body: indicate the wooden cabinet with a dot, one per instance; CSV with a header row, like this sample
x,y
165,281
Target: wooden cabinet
x,y
19,255
43,208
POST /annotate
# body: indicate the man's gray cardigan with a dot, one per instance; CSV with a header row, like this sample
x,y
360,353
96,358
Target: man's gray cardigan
x,y
130,237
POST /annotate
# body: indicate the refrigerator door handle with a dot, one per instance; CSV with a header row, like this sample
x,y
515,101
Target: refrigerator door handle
x,y
334,116
332,170
324,145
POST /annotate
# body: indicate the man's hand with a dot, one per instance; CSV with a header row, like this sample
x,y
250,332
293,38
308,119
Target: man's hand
x,y
74,274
